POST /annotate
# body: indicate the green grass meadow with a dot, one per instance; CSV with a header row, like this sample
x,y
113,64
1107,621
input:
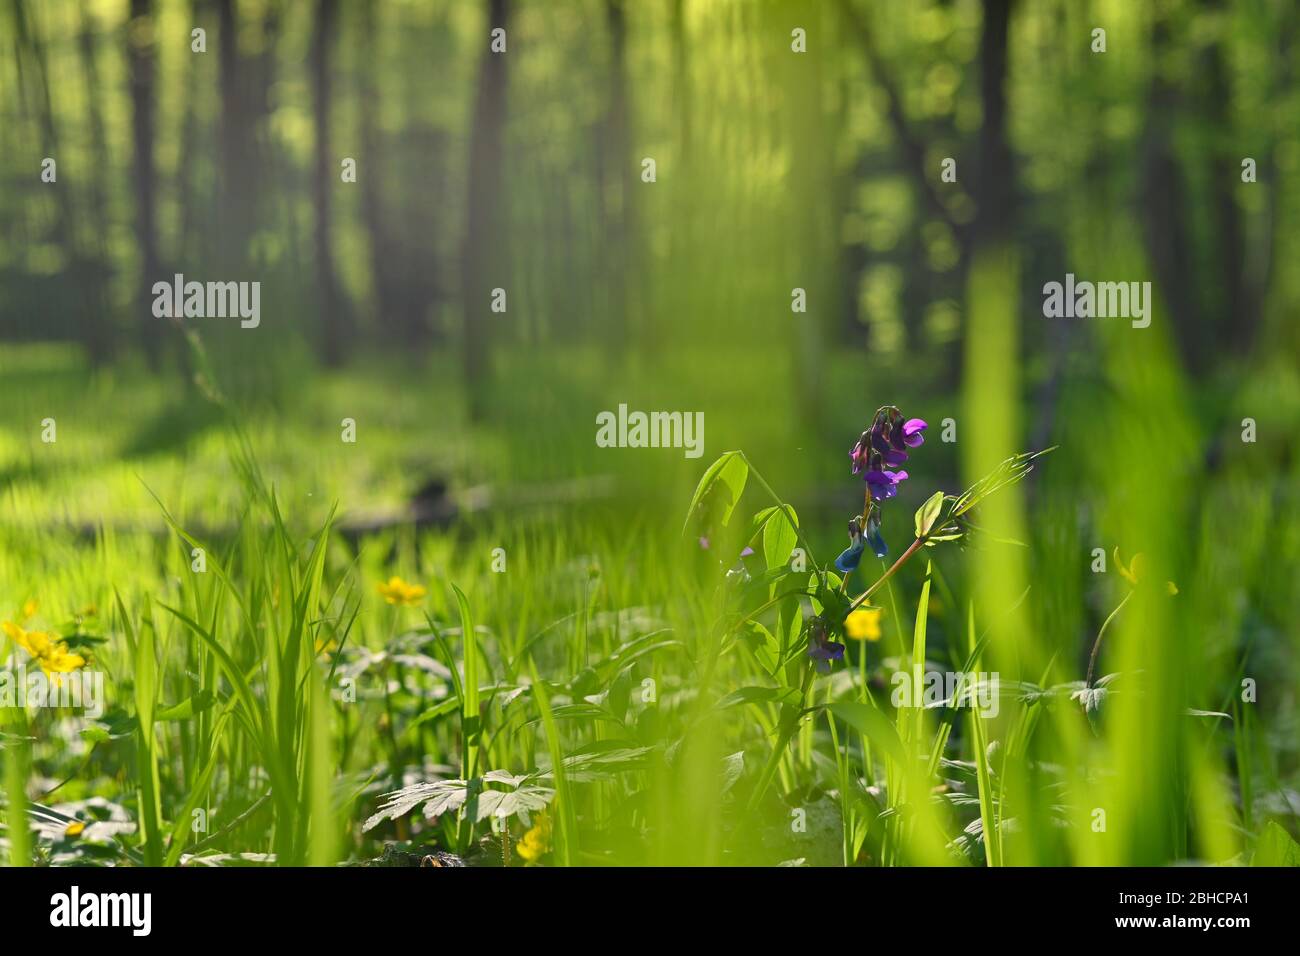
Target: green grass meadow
x,y
622,699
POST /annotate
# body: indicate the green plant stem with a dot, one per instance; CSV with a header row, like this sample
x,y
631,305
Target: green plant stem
x,y
1096,645
893,569
785,731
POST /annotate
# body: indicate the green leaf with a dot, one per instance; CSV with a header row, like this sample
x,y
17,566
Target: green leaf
x,y
780,537
471,723
95,734
186,708
1007,473
753,695
872,724
719,490
765,646
928,514
1276,848
507,803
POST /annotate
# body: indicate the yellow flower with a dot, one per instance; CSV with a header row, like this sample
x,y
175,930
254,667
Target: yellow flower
x,y
536,843
30,608
397,591
74,828
48,651
1136,571
864,624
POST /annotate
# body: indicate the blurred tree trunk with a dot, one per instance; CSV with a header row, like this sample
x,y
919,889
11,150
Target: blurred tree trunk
x,y
335,333
61,229
681,73
141,46
484,264
99,328
1164,195
1238,315
195,241
616,171
995,191
371,178
239,176
816,257
912,153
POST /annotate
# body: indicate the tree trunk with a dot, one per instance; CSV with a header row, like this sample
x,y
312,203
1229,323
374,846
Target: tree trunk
x,y
152,330
484,265
335,337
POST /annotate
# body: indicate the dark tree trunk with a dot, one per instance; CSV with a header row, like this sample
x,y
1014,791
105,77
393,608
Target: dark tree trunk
x,y
484,252
371,177
995,182
99,327
335,337
238,176
1164,192
152,330
616,175
1237,316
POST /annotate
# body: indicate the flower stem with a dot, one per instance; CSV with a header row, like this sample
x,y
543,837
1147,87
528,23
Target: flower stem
x,y
1096,645
788,725
902,559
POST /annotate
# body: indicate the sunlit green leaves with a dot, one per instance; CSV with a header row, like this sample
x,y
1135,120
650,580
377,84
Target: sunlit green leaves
x,y
719,491
928,514
495,794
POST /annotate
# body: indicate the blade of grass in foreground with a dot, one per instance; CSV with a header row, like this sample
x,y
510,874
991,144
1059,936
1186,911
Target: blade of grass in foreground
x,y
565,846
146,697
16,761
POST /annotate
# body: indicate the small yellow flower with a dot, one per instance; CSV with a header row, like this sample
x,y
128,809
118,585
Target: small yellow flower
x,y
74,828
1136,571
536,843
30,608
48,651
864,624
397,591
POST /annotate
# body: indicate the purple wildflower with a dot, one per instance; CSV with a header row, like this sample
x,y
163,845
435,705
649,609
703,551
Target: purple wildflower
x,y
861,453
873,536
851,556
883,483
911,432
821,649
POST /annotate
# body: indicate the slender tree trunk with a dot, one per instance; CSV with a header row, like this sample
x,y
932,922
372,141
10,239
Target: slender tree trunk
x,y
334,332
99,329
1164,200
1238,316
484,265
995,186
616,174
152,330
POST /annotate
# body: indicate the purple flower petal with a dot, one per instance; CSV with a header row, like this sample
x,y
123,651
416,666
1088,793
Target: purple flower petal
x,y
884,483
912,429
